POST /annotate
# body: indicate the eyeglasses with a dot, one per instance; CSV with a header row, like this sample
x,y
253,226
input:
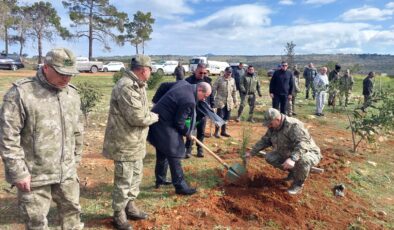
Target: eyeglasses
x,y
204,73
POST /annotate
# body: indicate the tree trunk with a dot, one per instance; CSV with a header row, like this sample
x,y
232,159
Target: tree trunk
x,y
39,49
91,32
21,48
6,39
136,48
143,47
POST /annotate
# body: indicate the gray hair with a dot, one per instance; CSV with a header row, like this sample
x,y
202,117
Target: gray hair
x,y
205,87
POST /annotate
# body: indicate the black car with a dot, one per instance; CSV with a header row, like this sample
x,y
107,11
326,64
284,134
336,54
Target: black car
x,y
11,61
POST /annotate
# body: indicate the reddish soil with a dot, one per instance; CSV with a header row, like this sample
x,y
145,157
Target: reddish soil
x,y
261,200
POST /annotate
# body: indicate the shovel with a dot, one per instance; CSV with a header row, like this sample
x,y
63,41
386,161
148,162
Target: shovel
x,y
234,172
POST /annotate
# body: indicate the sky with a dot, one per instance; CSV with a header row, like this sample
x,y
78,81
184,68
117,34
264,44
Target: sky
x,y
250,27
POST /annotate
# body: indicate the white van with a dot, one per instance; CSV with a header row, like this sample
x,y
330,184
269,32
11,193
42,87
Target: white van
x,y
213,67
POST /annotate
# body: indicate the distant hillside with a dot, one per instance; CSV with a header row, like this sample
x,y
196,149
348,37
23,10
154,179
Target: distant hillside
x,y
366,62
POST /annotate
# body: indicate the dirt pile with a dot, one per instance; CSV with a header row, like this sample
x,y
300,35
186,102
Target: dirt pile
x,y
262,201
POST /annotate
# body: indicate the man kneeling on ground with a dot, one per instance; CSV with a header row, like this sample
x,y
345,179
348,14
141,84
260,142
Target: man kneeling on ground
x,y
293,148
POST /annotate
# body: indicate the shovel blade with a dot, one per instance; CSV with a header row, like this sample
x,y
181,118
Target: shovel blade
x,y
235,172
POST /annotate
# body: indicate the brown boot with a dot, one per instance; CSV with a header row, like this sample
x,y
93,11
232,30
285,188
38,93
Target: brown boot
x,y
134,213
120,221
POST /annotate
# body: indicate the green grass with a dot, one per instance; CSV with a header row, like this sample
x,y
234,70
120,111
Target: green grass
x,y
203,173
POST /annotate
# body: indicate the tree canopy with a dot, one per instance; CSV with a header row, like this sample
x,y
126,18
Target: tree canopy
x,y
138,31
95,20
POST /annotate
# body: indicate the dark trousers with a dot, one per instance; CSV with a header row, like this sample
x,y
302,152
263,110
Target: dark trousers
x,y
224,113
280,101
162,163
200,133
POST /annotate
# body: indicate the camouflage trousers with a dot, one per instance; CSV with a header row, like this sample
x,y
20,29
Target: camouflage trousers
x,y
301,168
35,205
127,180
251,101
291,105
344,97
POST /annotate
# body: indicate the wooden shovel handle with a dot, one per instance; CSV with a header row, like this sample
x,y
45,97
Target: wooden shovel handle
x,y
210,152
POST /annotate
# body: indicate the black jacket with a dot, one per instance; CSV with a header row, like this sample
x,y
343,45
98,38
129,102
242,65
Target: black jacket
x,y
163,88
210,100
282,83
367,86
173,108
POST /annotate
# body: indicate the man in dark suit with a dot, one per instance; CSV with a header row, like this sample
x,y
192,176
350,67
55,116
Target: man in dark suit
x,y
174,107
199,75
281,88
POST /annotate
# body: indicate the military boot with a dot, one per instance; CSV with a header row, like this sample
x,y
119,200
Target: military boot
x,y
216,132
250,119
200,152
120,221
188,152
224,131
134,213
295,188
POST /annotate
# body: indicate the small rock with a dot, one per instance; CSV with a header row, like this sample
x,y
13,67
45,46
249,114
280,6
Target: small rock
x,y
233,143
374,164
382,213
102,124
361,172
86,143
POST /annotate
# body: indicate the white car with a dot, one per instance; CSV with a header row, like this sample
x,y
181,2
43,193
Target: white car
x,y
113,66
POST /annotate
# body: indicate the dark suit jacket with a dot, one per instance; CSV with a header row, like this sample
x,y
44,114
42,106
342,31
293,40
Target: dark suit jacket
x,y
174,107
282,83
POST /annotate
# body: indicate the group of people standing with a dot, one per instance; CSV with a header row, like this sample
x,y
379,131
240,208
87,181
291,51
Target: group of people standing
x,y
41,133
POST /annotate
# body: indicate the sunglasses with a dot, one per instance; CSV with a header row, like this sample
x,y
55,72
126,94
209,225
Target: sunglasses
x,y
204,73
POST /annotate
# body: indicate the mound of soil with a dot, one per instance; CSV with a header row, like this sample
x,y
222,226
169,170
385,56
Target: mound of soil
x,y
261,200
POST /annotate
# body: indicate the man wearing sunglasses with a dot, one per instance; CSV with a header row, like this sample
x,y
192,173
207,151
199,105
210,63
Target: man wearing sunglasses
x,y
199,75
41,142
281,88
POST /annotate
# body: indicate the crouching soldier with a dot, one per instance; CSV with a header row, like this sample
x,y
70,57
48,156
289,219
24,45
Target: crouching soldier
x,y
293,148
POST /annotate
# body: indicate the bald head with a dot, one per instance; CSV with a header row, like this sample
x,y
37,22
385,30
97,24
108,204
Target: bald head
x,y
203,90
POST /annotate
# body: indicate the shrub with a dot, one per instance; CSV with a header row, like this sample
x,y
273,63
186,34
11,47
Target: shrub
x,y
90,97
117,76
154,80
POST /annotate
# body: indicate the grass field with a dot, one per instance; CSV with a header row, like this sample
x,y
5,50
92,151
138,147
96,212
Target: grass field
x,y
371,183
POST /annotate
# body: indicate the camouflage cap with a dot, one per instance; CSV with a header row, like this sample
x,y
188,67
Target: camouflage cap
x,y
62,60
270,115
141,60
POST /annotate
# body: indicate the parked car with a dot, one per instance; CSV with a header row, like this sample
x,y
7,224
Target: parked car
x,y
213,67
11,61
84,64
113,66
166,67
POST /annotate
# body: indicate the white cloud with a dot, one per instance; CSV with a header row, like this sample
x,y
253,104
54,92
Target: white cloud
x,y
367,13
169,9
233,17
318,2
390,5
286,2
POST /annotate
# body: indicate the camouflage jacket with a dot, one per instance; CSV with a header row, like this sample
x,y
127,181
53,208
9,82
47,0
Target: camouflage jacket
x,y
333,78
346,83
224,92
249,84
309,74
290,140
128,120
40,132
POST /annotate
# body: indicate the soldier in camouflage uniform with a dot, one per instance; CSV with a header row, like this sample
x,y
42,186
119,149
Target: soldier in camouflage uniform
x,y
368,90
310,73
125,139
293,149
224,91
333,89
248,87
345,87
41,142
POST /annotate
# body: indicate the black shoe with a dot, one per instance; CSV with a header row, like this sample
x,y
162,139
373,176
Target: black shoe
x,y
200,153
225,135
322,114
188,153
162,183
186,191
294,114
317,114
